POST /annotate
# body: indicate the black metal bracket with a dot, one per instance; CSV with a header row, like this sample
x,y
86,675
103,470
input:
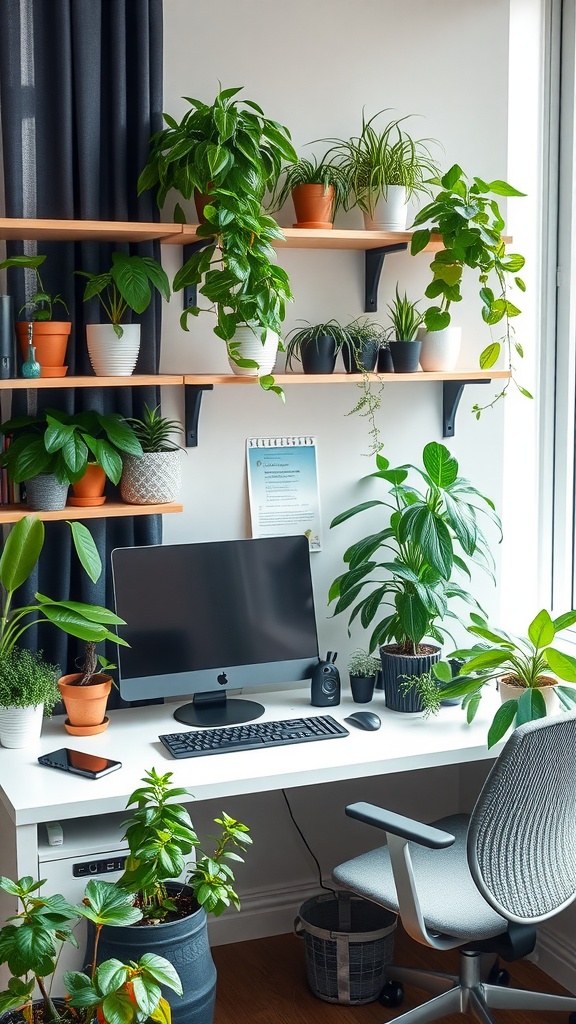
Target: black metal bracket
x,y
190,293
373,263
451,395
192,403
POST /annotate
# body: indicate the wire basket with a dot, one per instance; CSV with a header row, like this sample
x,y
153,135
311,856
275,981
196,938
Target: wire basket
x,y
348,943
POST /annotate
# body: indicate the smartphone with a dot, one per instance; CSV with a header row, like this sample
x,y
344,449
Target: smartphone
x,y
88,765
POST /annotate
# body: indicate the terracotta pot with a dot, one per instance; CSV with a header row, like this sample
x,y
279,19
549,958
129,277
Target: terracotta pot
x,y
314,208
89,489
50,339
85,705
201,199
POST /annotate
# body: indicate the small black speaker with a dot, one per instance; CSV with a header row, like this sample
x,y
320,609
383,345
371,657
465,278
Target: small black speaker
x,y
7,339
325,689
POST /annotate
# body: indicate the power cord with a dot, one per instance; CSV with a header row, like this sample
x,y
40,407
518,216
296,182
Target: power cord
x,y
321,883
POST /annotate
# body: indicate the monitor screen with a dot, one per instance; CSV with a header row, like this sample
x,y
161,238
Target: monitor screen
x,y
207,617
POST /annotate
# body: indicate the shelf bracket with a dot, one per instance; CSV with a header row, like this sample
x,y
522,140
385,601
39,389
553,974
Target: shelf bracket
x,y
192,402
190,293
451,395
373,263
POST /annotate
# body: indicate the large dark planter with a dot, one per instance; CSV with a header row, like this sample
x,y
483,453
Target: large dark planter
x,y
405,355
396,667
17,1016
364,358
184,944
319,355
362,688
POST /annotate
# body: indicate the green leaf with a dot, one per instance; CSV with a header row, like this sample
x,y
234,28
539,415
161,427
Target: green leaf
x,y
502,721
563,665
564,621
541,630
106,903
21,552
451,176
472,707
86,550
440,464
502,188
420,240
436,319
161,970
531,705
490,356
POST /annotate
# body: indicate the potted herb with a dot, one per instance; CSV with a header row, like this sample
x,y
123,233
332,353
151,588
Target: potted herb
x,y
30,944
318,187
154,476
316,346
403,341
48,337
362,344
363,669
54,449
527,669
467,218
227,144
399,579
385,167
22,550
28,691
113,347
161,838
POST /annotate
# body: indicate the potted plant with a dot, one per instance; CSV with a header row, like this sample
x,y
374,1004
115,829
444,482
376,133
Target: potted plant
x,y
154,476
113,347
248,291
363,669
318,187
28,691
54,449
467,218
20,556
399,579
316,346
85,693
385,167
48,337
527,670
227,144
403,341
160,837
113,992
361,346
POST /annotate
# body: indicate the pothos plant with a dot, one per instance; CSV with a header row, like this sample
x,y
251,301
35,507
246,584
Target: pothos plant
x,y
160,836
466,216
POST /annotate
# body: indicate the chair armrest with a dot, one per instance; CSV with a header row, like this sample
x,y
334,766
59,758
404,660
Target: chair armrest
x,y
399,825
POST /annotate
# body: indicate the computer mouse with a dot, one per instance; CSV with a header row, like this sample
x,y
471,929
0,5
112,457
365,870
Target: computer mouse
x,y
364,720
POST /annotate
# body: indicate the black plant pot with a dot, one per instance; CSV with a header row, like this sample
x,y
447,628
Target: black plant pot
x,y
319,355
396,668
184,943
405,355
385,364
364,358
362,688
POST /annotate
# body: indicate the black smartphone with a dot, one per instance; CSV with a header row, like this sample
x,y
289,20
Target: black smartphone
x,y
89,765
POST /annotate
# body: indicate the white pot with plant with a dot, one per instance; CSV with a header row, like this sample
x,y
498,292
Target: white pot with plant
x,y
28,692
439,349
113,347
154,477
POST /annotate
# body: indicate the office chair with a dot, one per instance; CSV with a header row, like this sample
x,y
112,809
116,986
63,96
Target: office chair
x,y
481,882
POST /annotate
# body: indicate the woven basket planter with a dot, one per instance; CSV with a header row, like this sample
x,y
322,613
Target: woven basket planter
x,y
150,479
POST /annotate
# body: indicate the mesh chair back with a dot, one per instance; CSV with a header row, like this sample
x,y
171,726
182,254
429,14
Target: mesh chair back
x,y
522,833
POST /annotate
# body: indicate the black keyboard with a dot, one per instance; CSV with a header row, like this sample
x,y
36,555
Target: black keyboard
x,y
254,736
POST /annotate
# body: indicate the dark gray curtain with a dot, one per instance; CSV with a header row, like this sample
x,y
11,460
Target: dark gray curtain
x,y
80,95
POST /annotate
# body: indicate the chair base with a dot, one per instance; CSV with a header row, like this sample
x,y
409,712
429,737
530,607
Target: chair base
x,y
468,993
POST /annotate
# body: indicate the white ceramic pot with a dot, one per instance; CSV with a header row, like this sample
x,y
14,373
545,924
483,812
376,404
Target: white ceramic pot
x,y
151,478
390,212
112,356
248,345
20,727
551,699
440,349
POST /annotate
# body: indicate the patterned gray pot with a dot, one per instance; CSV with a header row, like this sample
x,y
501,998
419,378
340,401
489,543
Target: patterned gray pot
x,y
44,493
395,668
150,479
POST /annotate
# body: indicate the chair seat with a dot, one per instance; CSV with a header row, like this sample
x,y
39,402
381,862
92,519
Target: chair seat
x,y
450,902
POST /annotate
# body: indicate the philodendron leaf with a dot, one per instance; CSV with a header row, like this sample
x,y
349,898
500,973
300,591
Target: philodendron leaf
x,y
563,665
489,356
541,630
86,550
502,721
531,706
21,552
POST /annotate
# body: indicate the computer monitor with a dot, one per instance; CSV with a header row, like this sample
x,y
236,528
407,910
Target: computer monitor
x,y
206,617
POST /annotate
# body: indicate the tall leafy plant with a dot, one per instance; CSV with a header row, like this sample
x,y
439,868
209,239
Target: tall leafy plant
x,y
126,285
399,580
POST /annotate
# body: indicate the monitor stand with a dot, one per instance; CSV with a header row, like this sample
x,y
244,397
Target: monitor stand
x,y
209,709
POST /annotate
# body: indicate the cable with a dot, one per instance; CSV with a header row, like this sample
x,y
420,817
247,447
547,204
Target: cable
x,y
307,845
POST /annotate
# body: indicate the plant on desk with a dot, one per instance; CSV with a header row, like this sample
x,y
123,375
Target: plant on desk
x,y
399,579
160,837
28,691
113,992
20,557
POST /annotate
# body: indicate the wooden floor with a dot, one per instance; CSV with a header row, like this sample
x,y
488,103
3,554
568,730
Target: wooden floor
x,y
264,982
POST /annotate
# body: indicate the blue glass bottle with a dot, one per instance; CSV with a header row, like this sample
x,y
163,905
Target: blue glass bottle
x,y
30,367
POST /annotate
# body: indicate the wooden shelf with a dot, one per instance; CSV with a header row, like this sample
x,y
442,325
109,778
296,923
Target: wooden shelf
x,y
320,238
136,380
351,378
111,509
15,229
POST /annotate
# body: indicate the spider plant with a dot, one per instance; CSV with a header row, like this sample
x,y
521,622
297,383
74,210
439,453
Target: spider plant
x,y
301,338
405,317
315,171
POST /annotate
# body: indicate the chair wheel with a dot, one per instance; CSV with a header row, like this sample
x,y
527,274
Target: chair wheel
x,y
392,995
500,976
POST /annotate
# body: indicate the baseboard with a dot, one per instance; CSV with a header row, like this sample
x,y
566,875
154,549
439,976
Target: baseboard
x,y
556,955
263,913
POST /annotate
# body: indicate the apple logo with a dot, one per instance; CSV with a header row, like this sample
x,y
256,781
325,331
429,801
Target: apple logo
x,y
222,679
